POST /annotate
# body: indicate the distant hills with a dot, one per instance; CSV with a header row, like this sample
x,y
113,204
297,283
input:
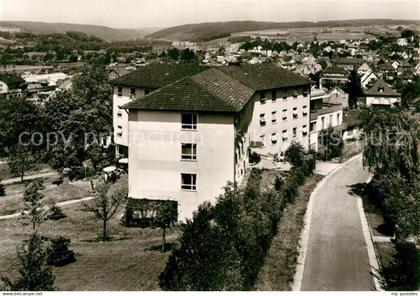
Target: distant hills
x,y
190,32
105,33
214,30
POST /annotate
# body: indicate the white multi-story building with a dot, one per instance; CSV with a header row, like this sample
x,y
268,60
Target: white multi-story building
x,y
323,116
187,139
137,84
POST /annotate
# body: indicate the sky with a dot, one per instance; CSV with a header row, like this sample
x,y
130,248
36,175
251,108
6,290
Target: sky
x,y
165,13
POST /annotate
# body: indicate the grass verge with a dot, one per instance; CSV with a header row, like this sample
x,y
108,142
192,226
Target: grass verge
x,y
279,267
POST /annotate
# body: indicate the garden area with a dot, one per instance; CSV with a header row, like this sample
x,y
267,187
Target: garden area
x,y
130,260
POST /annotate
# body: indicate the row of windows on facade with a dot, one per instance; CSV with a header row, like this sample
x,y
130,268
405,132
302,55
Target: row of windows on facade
x,y
284,135
274,97
132,91
284,118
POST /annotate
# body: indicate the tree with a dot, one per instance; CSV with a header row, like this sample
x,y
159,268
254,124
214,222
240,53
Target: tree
x,y
17,115
34,273
354,88
33,212
167,215
332,141
295,154
106,203
21,159
187,55
392,142
173,53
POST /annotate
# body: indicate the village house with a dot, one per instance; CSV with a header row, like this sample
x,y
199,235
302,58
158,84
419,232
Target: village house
x,y
334,76
381,94
367,79
196,133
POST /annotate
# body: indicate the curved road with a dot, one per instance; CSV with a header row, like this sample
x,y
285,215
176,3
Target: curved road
x,y
336,255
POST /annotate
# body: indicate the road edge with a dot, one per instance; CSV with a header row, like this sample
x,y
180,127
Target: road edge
x,y
368,236
304,236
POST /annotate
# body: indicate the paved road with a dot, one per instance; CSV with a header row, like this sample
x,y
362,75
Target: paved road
x,y
336,255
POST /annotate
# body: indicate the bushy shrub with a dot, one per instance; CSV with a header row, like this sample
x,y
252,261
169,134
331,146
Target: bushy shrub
x,y
59,253
308,166
55,213
278,183
404,273
295,154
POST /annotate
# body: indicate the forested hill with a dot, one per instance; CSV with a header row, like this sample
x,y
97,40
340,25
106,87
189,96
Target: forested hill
x,y
214,30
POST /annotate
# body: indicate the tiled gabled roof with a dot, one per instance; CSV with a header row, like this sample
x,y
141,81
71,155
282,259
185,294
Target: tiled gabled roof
x,y
182,95
155,76
335,70
221,89
224,87
264,76
381,88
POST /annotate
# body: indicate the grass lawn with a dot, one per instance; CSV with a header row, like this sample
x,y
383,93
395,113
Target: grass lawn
x,y
279,267
126,263
12,202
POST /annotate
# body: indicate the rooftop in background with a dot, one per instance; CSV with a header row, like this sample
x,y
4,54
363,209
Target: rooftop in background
x,y
334,70
381,88
264,76
349,61
155,76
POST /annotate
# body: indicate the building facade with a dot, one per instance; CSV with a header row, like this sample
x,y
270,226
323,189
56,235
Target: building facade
x,y
186,140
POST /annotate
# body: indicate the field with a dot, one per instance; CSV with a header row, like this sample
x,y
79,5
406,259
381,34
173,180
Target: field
x,y
131,261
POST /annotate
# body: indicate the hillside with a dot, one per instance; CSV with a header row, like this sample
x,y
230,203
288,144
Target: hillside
x,y
102,32
210,31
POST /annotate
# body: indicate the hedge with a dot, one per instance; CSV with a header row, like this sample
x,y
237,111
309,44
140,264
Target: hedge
x,y
225,244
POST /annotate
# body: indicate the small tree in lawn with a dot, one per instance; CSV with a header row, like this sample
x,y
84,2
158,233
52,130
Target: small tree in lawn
x,y
166,215
106,203
2,190
295,154
21,160
33,212
34,273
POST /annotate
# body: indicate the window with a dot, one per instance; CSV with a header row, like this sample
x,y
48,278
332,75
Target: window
x,y
273,138
120,126
146,92
284,114
262,139
284,135
338,118
262,97
133,92
119,114
294,132
295,94
119,91
119,134
188,181
304,131
285,98
189,151
274,117
312,126
262,119
273,96
322,122
331,120
189,121
295,113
